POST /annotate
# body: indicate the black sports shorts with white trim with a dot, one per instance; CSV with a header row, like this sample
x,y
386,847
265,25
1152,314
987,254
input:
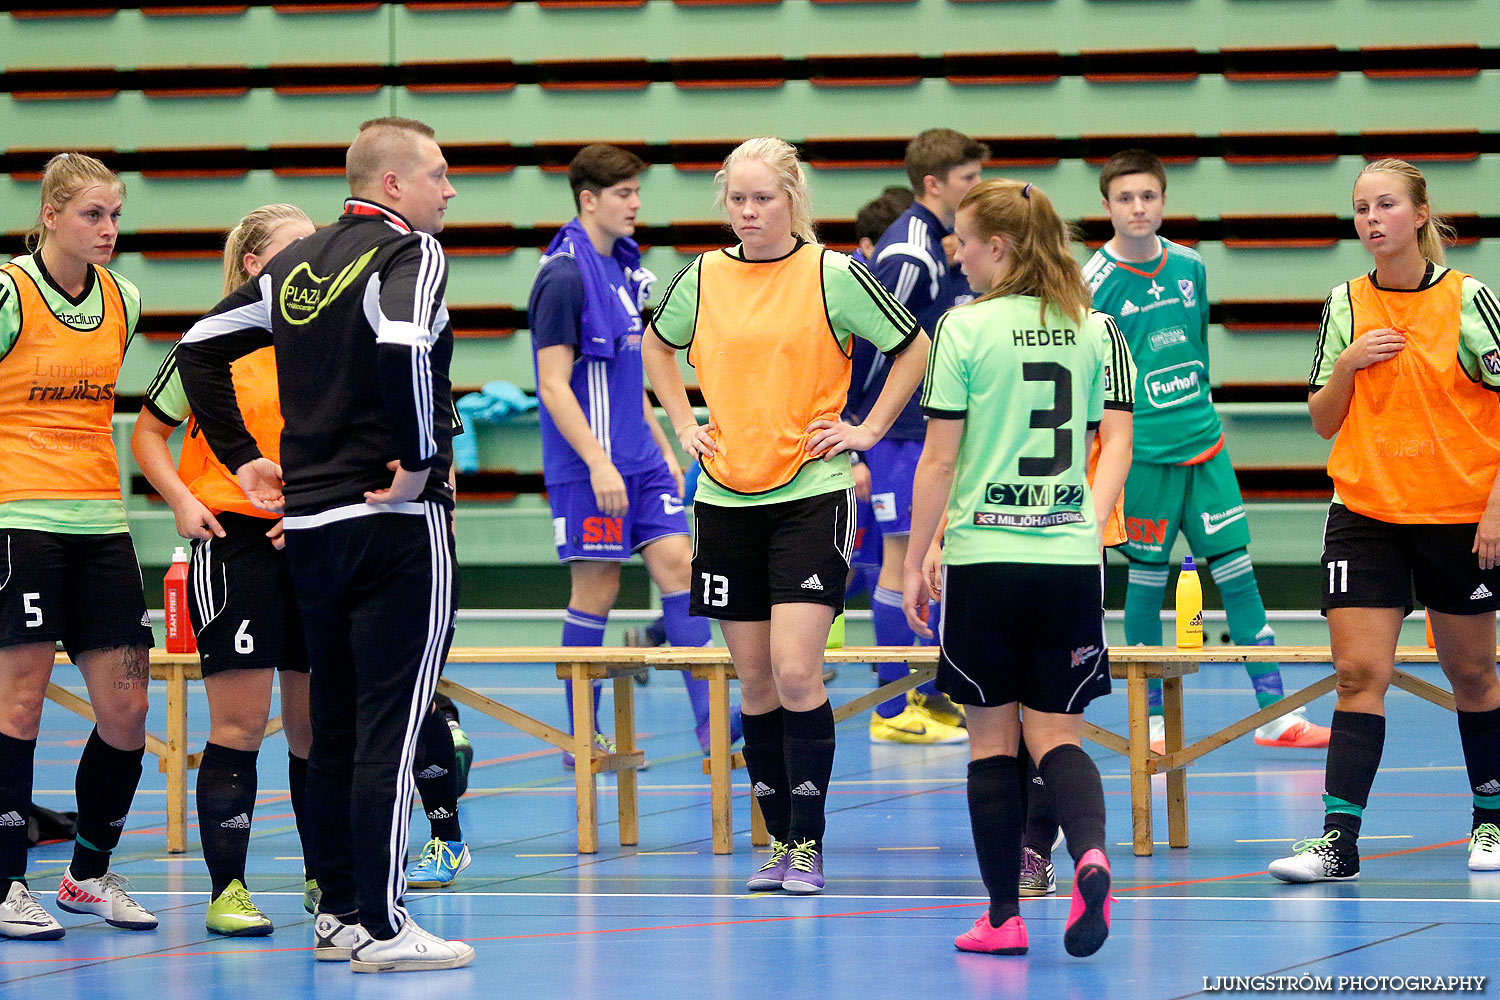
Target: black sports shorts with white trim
x,y
746,559
81,590
1369,563
242,602
1023,632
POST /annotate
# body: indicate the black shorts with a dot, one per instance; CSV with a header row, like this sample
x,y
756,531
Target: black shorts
x,y
241,600
81,590
1025,632
1376,564
745,559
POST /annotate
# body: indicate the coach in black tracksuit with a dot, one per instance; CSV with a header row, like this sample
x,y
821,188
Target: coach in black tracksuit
x,y
363,342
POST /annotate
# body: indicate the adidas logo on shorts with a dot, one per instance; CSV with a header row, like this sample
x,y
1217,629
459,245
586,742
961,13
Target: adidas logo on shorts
x,y
806,788
146,618
812,583
441,812
1491,787
240,822
760,790
12,818
432,772
120,823
1479,594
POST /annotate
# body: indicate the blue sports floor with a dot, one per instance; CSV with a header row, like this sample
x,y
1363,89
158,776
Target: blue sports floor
x,y
670,920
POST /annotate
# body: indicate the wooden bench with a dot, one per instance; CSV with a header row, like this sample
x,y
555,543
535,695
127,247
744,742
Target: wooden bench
x,y
580,665
1136,665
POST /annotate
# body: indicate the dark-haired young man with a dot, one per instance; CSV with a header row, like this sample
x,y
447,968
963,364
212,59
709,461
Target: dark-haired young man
x,y
1181,478
612,476
910,260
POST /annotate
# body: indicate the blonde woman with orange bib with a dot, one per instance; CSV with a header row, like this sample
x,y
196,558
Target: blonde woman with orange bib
x,y
68,571
1405,374
240,593
769,324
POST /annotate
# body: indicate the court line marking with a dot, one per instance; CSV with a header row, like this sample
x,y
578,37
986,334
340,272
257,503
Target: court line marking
x,y
894,897
908,848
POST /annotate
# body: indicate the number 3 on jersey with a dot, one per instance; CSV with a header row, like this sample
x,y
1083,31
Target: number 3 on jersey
x,y
715,590
1054,418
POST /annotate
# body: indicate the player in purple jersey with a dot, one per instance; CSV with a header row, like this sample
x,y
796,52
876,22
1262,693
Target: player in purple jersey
x,y
911,260
612,476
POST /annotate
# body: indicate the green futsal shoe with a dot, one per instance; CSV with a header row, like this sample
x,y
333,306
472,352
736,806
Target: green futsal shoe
x,y
312,895
233,914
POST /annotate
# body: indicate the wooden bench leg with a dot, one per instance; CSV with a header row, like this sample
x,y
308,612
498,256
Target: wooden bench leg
x,y
1177,827
721,803
584,777
1140,780
176,762
626,779
759,835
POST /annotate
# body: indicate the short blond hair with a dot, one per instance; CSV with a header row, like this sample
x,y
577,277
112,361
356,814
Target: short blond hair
x,y
382,144
781,157
64,176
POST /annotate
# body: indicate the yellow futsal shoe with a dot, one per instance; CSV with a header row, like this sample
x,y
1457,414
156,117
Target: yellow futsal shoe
x,y
232,914
938,708
913,726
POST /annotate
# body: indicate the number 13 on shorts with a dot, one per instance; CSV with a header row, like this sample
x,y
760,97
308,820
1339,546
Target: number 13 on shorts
x,y
715,590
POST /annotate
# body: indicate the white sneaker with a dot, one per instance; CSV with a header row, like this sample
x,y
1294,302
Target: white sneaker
x,y
22,917
1317,860
105,897
411,950
334,940
1484,849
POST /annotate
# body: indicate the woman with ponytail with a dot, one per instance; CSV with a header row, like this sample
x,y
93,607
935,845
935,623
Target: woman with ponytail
x,y
1018,383
769,324
239,594
1405,374
68,570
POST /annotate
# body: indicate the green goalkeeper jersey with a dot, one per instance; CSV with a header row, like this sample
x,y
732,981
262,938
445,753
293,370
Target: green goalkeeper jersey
x,y
1161,307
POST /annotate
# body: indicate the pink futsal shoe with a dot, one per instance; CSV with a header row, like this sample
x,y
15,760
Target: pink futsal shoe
x,y
1088,917
984,937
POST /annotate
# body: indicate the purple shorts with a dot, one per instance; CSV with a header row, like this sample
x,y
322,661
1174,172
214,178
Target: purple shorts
x,y
869,550
581,531
893,466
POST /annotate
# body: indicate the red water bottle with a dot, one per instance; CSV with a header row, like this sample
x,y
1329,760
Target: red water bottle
x,y
180,638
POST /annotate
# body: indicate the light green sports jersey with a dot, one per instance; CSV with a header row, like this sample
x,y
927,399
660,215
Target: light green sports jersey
x,y
1162,308
70,517
1028,391
857,306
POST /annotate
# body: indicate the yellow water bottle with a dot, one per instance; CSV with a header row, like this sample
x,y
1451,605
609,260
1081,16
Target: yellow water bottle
x,y
1189,606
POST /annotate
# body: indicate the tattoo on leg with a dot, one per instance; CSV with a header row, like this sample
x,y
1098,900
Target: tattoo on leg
x,y
134,667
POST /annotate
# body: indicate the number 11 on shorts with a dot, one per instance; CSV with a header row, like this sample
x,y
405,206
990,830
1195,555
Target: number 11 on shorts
x,y
1338,576
715,590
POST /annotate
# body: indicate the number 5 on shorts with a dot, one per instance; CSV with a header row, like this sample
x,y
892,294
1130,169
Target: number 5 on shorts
x,y
1338,576
715,590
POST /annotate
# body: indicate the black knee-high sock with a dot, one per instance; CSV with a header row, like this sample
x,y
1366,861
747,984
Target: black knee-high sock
x,y
106,783
1041,819
227,783
1077,795
17,764
296,777
436,771
809,767
1355,744
765,759
1480,734
996,815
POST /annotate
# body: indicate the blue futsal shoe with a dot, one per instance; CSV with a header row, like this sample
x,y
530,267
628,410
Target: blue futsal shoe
x,y
439,865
